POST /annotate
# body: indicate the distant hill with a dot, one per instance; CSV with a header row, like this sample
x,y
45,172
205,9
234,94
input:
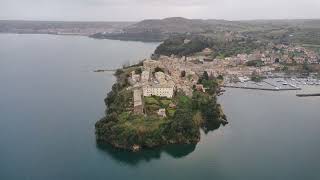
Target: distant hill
x,y
181,25
305,31
160,29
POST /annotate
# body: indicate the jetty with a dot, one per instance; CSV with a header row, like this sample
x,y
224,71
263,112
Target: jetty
x,y
105,70
308,95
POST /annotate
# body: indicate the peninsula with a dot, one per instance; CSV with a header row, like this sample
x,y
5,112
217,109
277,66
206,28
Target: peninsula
x,y
161,102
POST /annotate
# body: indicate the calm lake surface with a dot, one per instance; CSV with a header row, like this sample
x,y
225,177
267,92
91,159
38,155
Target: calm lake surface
x,y
50,100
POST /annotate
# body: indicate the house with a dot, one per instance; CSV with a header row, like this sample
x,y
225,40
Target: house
x,y
199,87
171,105
160,77
135,77
243,79
162,112
186,41
158,90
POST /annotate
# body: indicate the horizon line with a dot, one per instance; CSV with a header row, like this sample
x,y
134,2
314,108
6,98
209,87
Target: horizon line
x,y
88,21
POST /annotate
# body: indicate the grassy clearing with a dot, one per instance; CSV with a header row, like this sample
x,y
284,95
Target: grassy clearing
x,y
165,103
151,100
139,123
153,104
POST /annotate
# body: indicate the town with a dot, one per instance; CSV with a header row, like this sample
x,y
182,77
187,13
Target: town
x,y
164,76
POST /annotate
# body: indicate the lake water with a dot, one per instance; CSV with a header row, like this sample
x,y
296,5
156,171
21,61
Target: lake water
x,y
50,100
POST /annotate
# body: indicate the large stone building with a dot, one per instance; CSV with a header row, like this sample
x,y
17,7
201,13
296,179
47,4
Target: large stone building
x,y
158,90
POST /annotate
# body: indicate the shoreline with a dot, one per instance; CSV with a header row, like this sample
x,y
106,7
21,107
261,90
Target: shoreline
x,y
84,35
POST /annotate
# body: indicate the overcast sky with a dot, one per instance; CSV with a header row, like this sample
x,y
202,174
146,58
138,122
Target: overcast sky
x,y
134,10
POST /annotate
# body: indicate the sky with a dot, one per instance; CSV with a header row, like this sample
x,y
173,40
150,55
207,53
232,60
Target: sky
x,y
136,10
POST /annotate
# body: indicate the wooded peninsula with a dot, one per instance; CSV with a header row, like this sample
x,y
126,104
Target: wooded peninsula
x,y
146,108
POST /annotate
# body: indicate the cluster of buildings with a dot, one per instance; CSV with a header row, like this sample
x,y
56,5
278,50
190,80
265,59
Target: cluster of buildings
x,y
272,57
150,82
280,54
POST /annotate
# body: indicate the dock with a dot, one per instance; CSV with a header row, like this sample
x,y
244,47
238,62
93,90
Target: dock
x,y
105,70
308,95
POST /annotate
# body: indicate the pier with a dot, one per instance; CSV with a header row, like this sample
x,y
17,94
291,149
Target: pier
x,y
105,70
308,95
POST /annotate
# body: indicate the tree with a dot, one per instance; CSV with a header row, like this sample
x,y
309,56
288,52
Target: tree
x,y
183,74
256,63
138,71
205,75
183,120
220,77
285,68
158,69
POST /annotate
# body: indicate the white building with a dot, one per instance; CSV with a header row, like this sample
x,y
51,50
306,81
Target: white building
x,y
161,77
162,91
135,77
243,79
162,112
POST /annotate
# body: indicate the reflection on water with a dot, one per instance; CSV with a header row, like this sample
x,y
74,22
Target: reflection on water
x,y
133,158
